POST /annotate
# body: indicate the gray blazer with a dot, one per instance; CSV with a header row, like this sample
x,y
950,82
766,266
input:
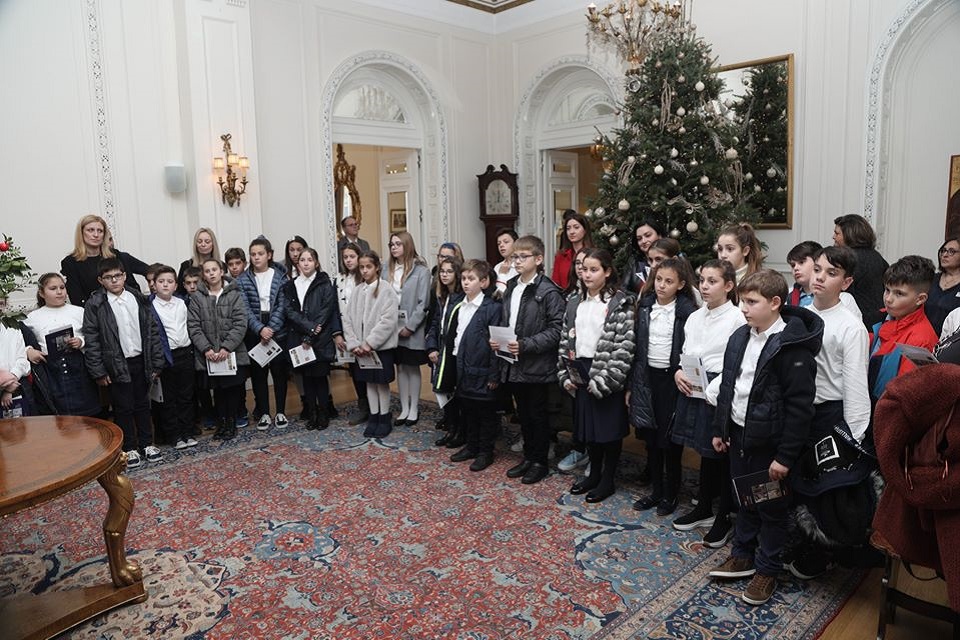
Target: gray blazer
x,y
415,300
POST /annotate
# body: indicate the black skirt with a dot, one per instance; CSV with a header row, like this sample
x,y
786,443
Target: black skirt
x,y
411,357
597,421
383,375
66,386
693,424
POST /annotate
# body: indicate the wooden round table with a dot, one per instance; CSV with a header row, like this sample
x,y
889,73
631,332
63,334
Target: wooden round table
x,y
42,458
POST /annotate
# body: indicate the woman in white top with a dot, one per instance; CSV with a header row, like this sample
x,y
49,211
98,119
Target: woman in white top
x,y
61,377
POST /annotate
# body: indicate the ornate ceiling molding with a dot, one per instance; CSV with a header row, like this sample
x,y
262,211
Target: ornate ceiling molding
x,y
490,6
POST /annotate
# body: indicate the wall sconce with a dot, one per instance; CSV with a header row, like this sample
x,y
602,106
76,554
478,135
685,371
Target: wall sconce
x,y
232,184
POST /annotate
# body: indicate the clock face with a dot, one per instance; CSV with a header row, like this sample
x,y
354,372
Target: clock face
x,y
499,199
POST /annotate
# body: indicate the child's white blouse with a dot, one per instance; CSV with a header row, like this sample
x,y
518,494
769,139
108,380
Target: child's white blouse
x,y
46,320
707,332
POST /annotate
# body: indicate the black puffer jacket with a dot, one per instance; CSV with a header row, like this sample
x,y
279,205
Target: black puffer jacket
x,y
780,405
320,306
217,323
641,400
102,352
443,375
477,366
538,326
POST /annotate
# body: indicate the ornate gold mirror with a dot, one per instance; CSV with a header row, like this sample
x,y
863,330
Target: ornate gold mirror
x,y
346,196
758,98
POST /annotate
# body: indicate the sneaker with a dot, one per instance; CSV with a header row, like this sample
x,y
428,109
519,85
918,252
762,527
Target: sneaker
x,y
573,460
809,566
760,589
280,420
181,444
517,447
133,459
734,567
693,519
153,454
264,422
719,534
242,421
191,442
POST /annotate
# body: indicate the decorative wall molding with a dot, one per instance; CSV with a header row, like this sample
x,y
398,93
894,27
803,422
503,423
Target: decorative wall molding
x,y
434,197
530,119
95,69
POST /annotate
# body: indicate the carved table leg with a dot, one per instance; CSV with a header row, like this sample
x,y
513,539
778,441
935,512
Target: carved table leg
x,y
120,492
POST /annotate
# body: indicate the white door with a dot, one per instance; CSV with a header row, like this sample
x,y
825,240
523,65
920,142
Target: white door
x,y
400,195
560,194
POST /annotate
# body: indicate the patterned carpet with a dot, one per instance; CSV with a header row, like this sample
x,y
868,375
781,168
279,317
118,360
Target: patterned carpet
x,y
302,534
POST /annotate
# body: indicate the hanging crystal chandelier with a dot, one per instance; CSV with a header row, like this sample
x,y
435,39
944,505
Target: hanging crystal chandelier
x,y
632,27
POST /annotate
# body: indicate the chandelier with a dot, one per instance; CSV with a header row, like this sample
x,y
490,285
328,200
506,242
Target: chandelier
x,y
633,27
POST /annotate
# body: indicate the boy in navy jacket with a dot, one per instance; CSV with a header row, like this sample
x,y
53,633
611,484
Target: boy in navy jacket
x,y
478,372
764,408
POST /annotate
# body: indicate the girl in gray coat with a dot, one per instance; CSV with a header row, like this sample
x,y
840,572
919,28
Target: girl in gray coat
x,y
217,324
410,278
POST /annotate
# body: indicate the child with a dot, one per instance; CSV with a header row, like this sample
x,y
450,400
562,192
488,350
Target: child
x,y
449,294
14,368
533,308
123,353
705,336
578,453
62,378
191,278
217,324
905,286
346,283
801,259
505,270
477,369
236,261
313,321
266,317
764,407
842,408
170,314
411,279
662,312
203,406
662,249
738,245
291,254
597,342
151,275
370,325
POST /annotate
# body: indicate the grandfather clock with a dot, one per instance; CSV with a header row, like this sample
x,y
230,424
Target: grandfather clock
x,y
499,206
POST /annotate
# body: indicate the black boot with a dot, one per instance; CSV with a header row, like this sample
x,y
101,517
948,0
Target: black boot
x,y
373,423
229,428
221,429
384,426
362,413
322,418
457,439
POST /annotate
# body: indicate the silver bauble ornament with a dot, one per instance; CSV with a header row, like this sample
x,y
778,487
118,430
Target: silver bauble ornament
x,y
756,187
673,181
680,55
623,205
681,79
658,64
631,159
682,130
634,85
699,86
694,162
747,177
681,111
771,172
704,180
692,226
614,241
658,169
674,153
655,122
588,213
674,233
599,211
731,154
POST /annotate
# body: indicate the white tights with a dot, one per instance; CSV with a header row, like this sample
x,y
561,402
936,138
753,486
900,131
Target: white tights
x,y
378,395
408,384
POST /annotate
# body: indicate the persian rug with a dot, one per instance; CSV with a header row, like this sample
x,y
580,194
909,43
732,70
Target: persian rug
x,y
304,534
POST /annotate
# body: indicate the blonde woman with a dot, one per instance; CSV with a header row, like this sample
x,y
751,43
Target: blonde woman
x,y
204,247
92,243
408,274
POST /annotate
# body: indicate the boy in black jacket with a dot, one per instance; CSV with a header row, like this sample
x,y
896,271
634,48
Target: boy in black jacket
x,y
533,307
124,354
477,370
764,409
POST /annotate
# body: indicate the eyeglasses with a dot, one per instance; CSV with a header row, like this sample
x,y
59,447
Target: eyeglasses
x,y
112,277
520,257
949,252
447,272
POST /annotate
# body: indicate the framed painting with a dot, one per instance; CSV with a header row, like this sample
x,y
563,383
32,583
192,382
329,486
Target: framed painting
x,y
398,220
952,229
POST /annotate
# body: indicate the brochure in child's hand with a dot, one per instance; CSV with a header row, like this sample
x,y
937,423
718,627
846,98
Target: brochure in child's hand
x,y
503,336
917,355
577,371
345,357
15,410
754,488
262,353
226,367
301,355
371,361
156,391
57,341
694,372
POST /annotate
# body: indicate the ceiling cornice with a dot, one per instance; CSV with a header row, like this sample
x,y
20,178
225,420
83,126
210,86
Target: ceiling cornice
x,y
490,6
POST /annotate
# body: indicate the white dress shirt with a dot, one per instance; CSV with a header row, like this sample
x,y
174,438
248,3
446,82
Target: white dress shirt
x,y
515,300
748,370
842,366
173,317
302,283
503,278
13,352
126,310
591,315
264,280
397,279
468,309
660,339
45,320
707,332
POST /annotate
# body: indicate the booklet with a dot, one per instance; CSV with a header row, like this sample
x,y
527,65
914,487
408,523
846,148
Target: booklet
x,y
156,391
917,355
263,354
301,355
226,367
503,336
754,488
371,361
694,372
56,341
15,410
577,371
345,357
442,398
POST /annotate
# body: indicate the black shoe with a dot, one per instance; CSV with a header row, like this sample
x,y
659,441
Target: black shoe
x,y
457,441
647,502
535,473
400,422
230,431
600,494
373,422
322,420
582,486
410,422
464,454
719,534
482,461
699,516
519,470
443,440
384,427
667,506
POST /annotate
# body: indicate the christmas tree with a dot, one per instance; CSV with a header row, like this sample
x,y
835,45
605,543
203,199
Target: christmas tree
x,y
676,158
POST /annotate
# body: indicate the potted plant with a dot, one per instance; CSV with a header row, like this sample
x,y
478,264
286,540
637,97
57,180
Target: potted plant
x,y
15,273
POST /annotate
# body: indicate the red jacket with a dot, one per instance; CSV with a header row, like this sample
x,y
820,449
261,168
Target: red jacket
x,y
561,268
913,329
